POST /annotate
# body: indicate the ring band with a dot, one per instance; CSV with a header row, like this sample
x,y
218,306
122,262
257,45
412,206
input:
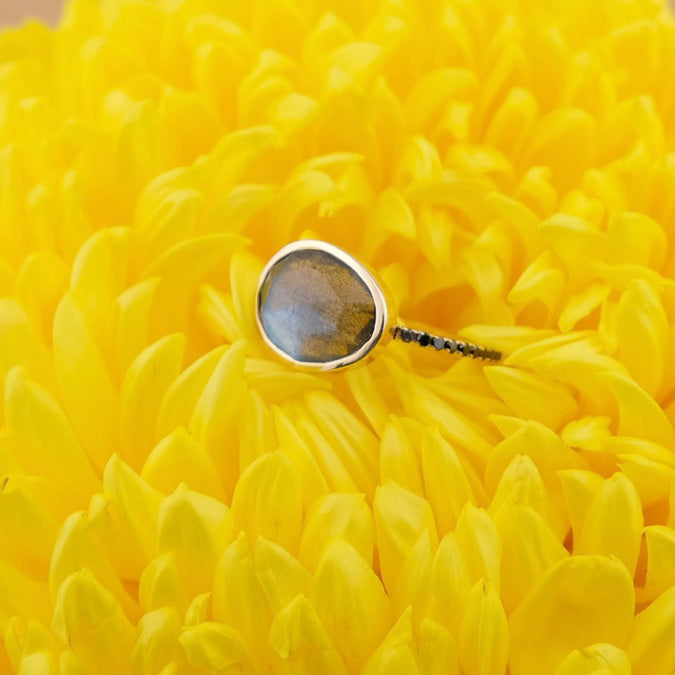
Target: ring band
x,y
424,339
321,309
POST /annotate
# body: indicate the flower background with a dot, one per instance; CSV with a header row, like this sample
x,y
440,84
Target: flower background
x,y
173,499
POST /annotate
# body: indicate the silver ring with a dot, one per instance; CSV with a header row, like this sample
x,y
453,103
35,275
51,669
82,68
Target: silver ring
x,y
321,309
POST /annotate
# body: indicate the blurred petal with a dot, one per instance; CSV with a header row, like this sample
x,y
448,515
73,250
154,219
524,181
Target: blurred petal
x,y
579,601
597,659
650,648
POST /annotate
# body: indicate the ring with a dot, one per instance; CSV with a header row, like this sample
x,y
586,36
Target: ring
x,y
321,309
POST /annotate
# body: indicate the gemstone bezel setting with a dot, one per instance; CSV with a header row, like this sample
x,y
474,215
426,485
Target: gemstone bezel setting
x,y
362,273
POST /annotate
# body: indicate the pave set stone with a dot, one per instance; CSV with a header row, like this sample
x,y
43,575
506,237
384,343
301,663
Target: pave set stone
x,y
316,308
425,339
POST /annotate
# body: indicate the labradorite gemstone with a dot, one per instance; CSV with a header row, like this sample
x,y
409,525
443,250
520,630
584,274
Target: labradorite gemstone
x,y
315,308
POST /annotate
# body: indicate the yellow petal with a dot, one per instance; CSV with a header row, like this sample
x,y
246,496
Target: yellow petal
x,y
598,659
72,664
414,585
636,238
650,478
300,639
213,421
351,602
314,485
512,122
338,515
143,387
398,460
166,222
276,384
528,395
181,397
423,405
252,584
199,610
177,459
395,654
23,638
48,447
40,283
134,506
528,549
563,140
355,444
581,304
445,483
195,529
157,643
81,609
539,289
131,321
479,544
77,548
21,596
187,127
19,346
160,585
98,276
245,270
483,644
181,269
437,649
88,392
660,560
328,460
651,648
521,483
639,415
27,529
614,522
579,488
365,390
267,501
641,319
450,583
38,662
542,446
400,519
217,648
579,601
573,238
256,430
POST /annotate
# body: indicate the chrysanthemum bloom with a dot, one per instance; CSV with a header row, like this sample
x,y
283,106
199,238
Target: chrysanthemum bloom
x,y
175,500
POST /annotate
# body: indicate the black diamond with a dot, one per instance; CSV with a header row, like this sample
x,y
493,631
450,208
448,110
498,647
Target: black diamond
x,y
423,339
407,335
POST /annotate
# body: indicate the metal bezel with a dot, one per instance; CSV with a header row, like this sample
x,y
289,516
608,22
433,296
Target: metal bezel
x,y
379,299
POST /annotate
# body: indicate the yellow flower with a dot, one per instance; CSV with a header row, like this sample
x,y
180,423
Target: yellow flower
x,y
174,500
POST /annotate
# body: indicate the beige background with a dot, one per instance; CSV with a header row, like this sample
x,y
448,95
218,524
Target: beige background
x,y
14,11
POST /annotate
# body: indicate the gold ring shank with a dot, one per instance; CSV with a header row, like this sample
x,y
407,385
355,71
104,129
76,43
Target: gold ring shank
x,y
440,343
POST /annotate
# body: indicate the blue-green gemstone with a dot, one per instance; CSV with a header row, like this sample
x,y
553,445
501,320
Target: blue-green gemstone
x,y
315,308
